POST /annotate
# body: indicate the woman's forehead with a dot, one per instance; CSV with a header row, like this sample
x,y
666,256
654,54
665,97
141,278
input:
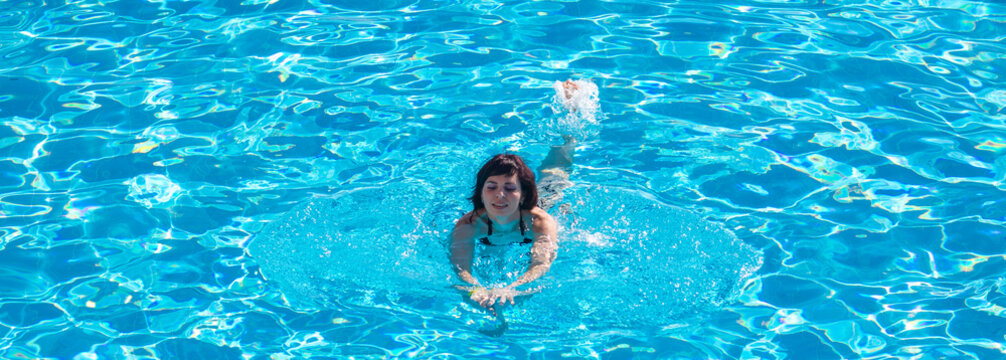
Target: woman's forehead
x,y
503,178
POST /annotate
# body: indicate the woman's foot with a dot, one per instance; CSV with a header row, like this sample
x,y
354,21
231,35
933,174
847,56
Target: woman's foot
x,y
569,88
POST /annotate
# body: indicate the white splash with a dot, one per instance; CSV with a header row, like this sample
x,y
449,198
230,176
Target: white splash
x,y
576,107
577,98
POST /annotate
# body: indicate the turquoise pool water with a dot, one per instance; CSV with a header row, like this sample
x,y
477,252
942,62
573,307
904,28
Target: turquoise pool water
x,y
272,179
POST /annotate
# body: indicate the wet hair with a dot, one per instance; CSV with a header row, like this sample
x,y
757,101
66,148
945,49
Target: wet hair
x,y
506,164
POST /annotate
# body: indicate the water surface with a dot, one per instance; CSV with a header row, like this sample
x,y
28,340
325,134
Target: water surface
x,y
831,173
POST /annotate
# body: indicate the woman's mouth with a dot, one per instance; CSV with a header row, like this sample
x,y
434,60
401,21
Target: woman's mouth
x,y
499,206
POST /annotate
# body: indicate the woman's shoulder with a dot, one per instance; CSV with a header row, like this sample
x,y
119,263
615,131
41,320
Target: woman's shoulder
x,y
466,227
468,219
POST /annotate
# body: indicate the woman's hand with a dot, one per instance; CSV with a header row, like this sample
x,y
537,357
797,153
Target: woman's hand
x,y
479,295
501,295
488,298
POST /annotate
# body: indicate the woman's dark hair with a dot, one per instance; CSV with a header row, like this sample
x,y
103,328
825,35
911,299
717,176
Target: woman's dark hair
x,y
507,164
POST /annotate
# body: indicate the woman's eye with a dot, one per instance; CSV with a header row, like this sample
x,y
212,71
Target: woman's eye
x,y
511,188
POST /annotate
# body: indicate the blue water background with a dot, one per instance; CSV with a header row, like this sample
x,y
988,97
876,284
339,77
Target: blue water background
x,y
851,150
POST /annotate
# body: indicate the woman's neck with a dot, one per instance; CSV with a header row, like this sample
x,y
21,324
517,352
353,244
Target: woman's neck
x,y
504,222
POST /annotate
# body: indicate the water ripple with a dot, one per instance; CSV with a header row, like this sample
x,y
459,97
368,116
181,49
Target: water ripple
x,y
856,146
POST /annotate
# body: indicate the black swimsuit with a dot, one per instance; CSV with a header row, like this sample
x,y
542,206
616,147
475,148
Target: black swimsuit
x,y
485,240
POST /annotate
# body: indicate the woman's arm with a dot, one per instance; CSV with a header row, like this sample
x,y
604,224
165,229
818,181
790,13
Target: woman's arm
x,y
543,251
542,254
462,246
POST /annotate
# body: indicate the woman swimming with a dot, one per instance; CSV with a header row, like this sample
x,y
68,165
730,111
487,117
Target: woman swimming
x,y
508,211
506,199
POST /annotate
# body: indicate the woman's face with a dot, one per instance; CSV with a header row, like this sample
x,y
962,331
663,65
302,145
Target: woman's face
x,y
502,196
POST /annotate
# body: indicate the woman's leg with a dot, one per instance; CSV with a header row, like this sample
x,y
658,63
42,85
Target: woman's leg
x,y
553,174
560,157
